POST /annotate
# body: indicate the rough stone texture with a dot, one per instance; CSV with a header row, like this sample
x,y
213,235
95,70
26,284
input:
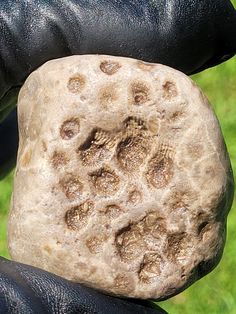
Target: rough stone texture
x,y
123,180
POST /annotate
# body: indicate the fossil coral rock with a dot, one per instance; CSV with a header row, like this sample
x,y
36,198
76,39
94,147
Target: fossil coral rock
x,y
123,181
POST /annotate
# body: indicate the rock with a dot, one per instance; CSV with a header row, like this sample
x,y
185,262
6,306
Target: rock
x,y
123,181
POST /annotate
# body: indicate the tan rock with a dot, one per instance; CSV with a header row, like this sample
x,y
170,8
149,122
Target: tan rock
x,y
123,181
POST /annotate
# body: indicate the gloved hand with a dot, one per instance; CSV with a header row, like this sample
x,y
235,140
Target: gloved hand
x,y
189,35
25,290
185,34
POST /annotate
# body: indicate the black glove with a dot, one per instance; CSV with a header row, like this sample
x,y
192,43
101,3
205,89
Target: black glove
x,y
25,289
8,143
189,35
185,34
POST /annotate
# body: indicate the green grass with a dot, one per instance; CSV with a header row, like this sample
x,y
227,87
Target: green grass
x,y
5,195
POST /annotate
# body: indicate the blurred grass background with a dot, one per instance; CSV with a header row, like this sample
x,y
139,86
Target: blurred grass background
x,y
216,293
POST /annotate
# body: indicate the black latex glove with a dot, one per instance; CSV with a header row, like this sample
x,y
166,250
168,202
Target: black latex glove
x,y
189,35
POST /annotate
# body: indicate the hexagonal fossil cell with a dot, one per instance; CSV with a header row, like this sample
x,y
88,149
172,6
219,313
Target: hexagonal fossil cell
x,y
111,210
97,147
105,181
169,89
134,146
77,216
76,83
139,92
125,144
59,159
71,186
70,128
132,152
135,196
109,67
160,168
138,237
94,243
150,267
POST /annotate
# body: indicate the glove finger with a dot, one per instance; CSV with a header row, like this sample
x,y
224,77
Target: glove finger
x,y
8,143
52,294
185,34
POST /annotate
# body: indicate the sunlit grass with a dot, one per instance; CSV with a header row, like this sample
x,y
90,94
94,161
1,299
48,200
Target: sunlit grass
x,y
5,195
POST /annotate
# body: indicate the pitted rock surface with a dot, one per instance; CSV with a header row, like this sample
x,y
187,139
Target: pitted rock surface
x,y
123,180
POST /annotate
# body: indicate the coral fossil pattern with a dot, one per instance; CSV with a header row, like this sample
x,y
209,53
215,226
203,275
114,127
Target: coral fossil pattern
x,y
127,181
